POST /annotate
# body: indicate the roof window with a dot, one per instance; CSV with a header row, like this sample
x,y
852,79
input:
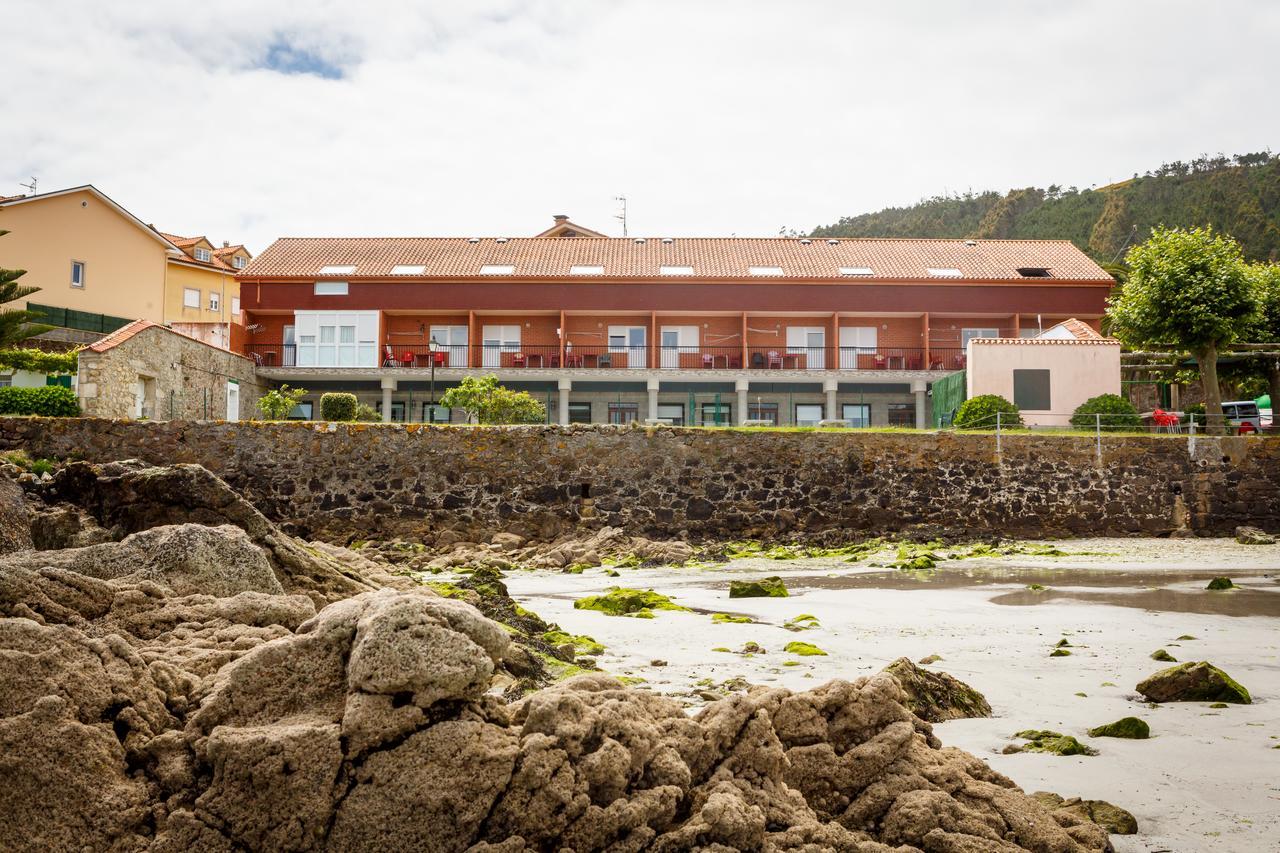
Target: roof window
x,y
239,262
1034,272
855,270
409,269
330,288
497,269
668,240
202,254
586,269
944,272
675,270
337,269
765,270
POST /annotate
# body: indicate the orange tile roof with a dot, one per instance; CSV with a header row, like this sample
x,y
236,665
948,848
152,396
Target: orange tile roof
x,y
124,333
1081,333
215,261
711,258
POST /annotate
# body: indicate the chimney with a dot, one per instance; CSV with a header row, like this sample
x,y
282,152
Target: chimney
x,y
226,244
560,217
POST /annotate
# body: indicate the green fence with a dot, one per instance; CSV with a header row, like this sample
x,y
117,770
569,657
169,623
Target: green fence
x,y
69,318
948,394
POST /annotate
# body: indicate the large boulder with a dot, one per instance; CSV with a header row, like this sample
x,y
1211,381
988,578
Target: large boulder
x,y
1193,682
15,517
937,696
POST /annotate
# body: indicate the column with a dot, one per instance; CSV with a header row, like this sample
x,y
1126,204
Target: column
x,y
920,388
741,386
565,386
388,385
653,399
831,386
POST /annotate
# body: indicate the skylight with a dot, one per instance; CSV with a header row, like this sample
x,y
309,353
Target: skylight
x,y
855,270
1034,272
497,269
586,269
675,270
764,270
337,269
408,269
944,272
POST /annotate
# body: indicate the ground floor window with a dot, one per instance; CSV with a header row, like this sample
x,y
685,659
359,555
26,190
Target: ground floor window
x,y
623,413
1031,390
856,414
397,409
763,412
300,412
902,414
717,414
808,414
434,413
579,413
672,413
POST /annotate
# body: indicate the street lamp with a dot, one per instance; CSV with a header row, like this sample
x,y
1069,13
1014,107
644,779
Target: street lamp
x,y
433,347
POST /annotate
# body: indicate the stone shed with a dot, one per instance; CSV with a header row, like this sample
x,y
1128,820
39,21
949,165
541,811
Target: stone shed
x,y
145,370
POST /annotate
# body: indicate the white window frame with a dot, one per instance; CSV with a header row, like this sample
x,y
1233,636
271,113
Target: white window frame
x,y
497,340
191,297
202,254
77,280
452,340
331,288
800,342
856,341
235,306
634,343
239,262
323,339
215,300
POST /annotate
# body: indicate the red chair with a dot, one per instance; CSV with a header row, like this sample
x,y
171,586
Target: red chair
x,y
439,358
517,359
913,362
407,358
935,362
1166,420
775,358
879,362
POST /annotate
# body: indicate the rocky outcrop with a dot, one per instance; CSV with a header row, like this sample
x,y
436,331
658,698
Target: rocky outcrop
x,y
937,696
15,518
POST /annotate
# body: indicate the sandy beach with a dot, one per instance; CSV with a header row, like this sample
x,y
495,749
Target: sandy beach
x,y
1208,779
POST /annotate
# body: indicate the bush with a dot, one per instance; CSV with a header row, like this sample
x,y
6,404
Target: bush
x,y
1116,412
366,414
337,406
53,401
277,403
980,413
1194,412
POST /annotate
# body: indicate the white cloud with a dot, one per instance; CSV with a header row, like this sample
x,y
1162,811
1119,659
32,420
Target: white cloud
x,y
714,117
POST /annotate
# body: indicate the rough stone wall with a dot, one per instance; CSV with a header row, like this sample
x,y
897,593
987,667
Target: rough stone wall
x,y
185,378
344,482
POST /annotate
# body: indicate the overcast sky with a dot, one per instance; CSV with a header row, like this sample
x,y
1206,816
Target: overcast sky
x,y
250,120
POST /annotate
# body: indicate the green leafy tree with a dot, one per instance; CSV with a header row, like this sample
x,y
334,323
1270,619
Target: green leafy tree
x,y
1266,327
1187,289
487,402
1109,411
980,413
16,325
277,403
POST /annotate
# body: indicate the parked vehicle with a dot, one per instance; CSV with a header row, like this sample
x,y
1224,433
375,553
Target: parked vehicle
x,y
1243,415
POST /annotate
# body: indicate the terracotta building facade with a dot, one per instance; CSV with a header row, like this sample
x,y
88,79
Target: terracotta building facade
x,y
689,331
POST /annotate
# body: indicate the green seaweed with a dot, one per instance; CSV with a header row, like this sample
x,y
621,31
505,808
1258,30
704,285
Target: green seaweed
x,y
796,647
803,622
1162,655
1220,584
581,642
722,618
770,587
1060,653
1126,727
620,601
1055,743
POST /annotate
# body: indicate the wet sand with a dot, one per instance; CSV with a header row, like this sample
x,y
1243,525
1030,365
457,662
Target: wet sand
x,y
1207,780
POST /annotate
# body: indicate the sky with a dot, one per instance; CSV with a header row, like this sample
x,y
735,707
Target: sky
x,y
250,120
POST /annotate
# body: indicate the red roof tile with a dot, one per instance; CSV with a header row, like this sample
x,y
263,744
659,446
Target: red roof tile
x,y
124,333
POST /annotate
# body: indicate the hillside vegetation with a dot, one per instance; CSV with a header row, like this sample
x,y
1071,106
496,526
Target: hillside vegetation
x,y
1239,195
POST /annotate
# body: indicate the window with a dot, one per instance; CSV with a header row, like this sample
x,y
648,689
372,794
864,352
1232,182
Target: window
x,y
397,409
338,269
300,412
623,413
856,414
902,414
239,262
675,270
763,412
409,269
808,414
235,305
672,413
855,270
764,270
1034,272
579,413
6,380
436,414
331,288
586,269
77,273
717,414
497,341
1031,390
967,335
806,348
215,301
497,269
202,254
335,339
856,341
944,272
190,297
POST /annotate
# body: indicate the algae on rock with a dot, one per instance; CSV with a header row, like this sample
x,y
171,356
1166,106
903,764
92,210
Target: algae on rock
x,y
1125,727
1198,681
620,601
937,696
770,587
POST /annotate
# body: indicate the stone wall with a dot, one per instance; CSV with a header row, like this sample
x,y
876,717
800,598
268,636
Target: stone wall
x,y
343,482
180,377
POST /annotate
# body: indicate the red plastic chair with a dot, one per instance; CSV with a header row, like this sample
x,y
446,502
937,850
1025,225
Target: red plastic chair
x,y
1166,420
517,359
879,362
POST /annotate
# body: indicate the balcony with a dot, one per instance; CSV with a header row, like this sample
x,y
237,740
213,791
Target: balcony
x,y
679,358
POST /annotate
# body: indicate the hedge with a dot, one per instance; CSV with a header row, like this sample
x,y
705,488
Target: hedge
x,y
39,361
337,406
980,413
54,401
1110,411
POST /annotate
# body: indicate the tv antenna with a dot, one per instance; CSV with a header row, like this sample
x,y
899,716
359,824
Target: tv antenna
x,y
622,214
31,186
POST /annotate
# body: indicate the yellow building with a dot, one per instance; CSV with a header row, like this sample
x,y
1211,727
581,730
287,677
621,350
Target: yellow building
x,y
99,267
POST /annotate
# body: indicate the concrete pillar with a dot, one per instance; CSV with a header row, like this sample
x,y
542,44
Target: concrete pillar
x,y
920,388
565,386
831,386
741,386
653,398
388,385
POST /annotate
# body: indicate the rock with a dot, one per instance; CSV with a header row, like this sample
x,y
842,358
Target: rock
x,y
1162,655
770,587
15,518
66,526
1253,536
619,601
928,659
796,647
1126,727
508,541
1113,819
1060,653
937,696
1193,682
1220,584
1056,743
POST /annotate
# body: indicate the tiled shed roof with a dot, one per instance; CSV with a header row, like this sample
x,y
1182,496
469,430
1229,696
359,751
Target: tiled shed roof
x,y
711,258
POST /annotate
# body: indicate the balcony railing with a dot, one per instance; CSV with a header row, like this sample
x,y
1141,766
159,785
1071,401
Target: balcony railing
x,y
596,356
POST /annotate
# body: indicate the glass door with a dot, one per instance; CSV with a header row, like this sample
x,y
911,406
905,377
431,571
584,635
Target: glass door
x,y
497,340
289,356
453,341
808,414
670,348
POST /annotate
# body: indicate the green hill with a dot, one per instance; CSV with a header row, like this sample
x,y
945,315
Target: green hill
x,y
1239,195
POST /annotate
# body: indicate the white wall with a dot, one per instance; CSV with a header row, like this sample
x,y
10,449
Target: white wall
x,y
1078,371
27,379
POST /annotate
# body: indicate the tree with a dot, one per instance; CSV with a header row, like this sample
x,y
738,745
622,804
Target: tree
x,y
487,402
1187,289
16,325
277,403
1266,327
